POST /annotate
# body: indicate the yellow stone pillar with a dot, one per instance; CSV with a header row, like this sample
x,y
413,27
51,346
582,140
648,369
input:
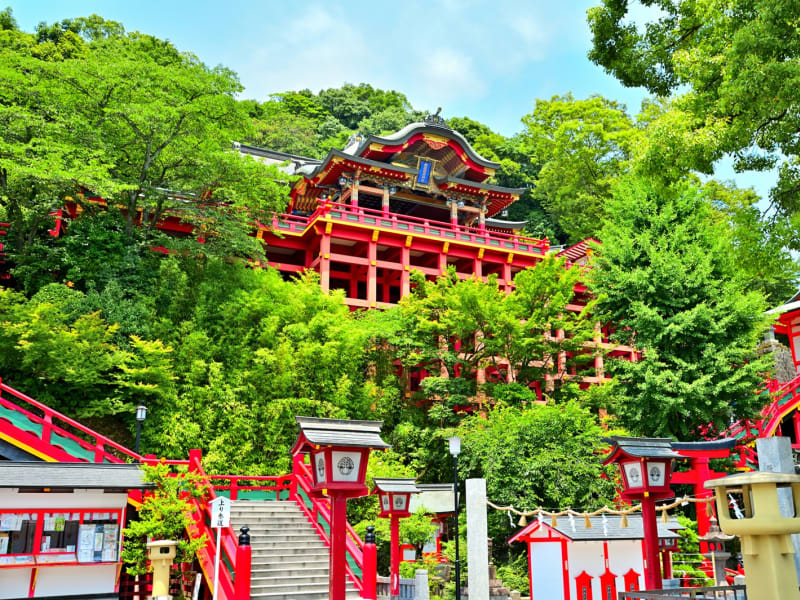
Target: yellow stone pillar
x,y
161,555
765,534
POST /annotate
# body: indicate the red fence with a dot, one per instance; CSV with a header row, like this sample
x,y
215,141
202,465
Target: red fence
x,y
46,433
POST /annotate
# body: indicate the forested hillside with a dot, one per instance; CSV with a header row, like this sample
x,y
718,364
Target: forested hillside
x,y
94,322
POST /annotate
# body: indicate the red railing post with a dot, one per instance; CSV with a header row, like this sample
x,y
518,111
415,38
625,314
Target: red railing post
x,y
241,585
195,458
370,569
47,427
234,487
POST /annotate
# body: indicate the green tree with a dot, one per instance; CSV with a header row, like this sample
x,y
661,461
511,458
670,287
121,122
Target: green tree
x,y
669,283
549,456
164,515
734,65
583,147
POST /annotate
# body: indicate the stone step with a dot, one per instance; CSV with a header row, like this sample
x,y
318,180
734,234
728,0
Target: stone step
x,y
282,544
282,517
315,592
288,554
291,570
290,537
287,583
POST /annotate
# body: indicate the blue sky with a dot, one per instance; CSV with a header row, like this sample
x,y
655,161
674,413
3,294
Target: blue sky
x,y
486,60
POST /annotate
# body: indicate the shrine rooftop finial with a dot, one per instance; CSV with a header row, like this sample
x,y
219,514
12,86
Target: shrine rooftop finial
x,y
436,120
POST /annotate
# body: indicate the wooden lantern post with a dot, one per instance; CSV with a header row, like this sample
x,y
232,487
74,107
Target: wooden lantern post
x,y
339,452
395,496
645,465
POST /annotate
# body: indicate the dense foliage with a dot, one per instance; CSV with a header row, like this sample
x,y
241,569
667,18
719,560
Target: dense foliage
x,y
735,66
128,129
667,280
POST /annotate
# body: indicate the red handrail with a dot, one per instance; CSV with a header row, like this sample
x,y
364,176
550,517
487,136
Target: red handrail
x,y
325,208
320,508
50,420
299,223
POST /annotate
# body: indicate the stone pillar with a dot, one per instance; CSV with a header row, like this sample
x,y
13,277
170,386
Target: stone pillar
x,y
477,534
775,456
421,585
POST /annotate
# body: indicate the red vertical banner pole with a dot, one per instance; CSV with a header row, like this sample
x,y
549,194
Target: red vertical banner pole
x,y
370,568
338,562
241,586
652,574
394,580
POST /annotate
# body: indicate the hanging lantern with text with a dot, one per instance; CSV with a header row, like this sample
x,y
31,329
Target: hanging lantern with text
x,y
645,465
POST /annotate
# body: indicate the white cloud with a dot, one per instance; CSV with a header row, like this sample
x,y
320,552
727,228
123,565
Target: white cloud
x,y
315,49
445,74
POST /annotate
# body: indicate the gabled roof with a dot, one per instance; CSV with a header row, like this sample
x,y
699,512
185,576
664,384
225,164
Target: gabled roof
x,y
71,476
640,448
575,529
340,432
394,485
400,140
578,251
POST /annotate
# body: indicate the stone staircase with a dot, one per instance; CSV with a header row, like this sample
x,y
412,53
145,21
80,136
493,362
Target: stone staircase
x,y
290,561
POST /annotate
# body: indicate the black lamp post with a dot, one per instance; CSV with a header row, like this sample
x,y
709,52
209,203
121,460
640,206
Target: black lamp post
x,y
141,415
455,450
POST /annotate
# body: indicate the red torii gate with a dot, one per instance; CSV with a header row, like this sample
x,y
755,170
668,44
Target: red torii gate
x,y
699,455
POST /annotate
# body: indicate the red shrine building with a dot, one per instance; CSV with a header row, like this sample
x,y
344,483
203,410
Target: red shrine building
x,y
420,199
365,216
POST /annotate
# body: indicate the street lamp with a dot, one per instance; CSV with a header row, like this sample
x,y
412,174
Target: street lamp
x,y
141,415
455,450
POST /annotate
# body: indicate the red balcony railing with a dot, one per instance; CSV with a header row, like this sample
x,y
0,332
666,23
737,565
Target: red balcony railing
x,y
407,224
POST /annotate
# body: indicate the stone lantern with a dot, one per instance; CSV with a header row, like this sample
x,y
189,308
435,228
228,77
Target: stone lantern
x,y
765,533
716,539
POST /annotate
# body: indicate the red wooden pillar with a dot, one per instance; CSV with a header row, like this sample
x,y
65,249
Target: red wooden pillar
x,y
405,273
394,571
369,591
477,265
338,560
372,271
325,260
385,200
507,275
652,573
241,582
702,474
666,564
796,423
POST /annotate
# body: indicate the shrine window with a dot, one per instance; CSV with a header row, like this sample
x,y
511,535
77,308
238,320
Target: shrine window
x,y
47,536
